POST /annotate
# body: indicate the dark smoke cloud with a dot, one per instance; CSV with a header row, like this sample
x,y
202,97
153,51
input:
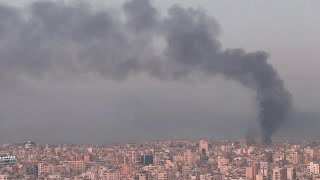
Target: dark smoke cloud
x,y
55,39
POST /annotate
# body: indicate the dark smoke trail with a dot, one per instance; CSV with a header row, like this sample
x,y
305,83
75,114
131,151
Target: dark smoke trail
x,y
57,39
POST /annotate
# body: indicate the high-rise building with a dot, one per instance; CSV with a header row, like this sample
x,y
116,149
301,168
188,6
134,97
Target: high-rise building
x,y
252,171
264,169
313,168
279,173
125,169
296,158
7,160
45,168
134,156
291,173
146,159
156,157
203,146
310,152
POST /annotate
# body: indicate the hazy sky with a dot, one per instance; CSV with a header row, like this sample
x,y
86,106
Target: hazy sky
x,y
98,111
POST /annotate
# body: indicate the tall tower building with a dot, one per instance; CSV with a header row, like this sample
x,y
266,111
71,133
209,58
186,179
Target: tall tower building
x,y
203,147
291,173
146,159
252,171
134,156
264,169
296,158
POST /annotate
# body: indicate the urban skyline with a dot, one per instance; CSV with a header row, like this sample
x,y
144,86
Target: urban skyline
x,y
162,160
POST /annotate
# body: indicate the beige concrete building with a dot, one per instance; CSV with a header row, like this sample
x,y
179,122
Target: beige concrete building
x,y
45,168
252,171
279,173
110,175
75,165
313,168
4,177
291,173
203,146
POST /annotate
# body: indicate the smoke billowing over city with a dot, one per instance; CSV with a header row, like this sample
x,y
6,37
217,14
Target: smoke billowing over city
x,y
49,40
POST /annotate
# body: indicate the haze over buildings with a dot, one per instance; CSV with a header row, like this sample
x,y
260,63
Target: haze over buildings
x,y
162,160
46,97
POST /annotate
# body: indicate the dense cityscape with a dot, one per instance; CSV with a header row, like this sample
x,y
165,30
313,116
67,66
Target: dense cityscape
x,y
94,71
162,160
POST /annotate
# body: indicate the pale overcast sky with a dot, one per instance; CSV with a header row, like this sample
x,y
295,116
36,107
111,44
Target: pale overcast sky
x,y
98,111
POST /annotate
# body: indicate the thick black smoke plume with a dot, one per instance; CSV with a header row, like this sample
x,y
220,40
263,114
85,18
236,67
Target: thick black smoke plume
x,y
60,39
